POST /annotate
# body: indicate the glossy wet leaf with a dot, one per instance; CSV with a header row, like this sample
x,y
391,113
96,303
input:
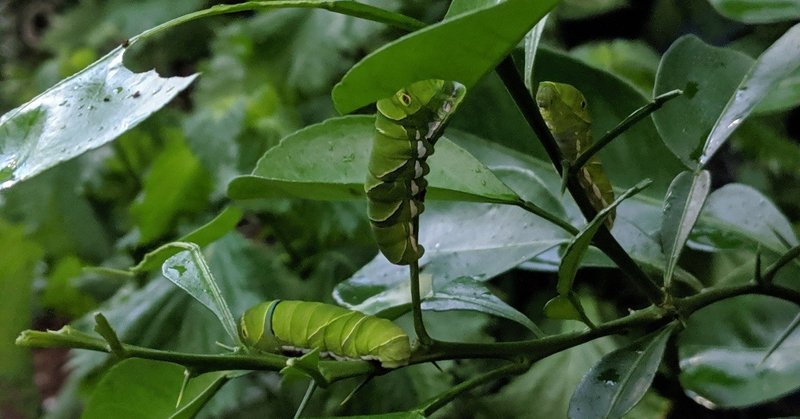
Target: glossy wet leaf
x,y
464,49
685,199
784,96
81,113
777,63
460,239
465,293
190,272
620,379
758,11
328,161
708,76
724,363
137,388
727,221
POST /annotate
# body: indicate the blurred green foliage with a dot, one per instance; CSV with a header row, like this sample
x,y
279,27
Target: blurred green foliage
x,y
266,75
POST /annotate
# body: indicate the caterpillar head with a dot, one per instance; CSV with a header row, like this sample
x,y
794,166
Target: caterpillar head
x,y
255,328
418,96
562,106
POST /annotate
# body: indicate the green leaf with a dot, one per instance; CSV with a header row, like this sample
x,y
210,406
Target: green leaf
x,y
458,7
138,388
297,367
61,294
723,352
189,271
464,49
18,260
778,62
728,220
80,113
708,77
758,11
620,379
476,240
203,235
176,184
784,96
465,293
634,61
580,244
532,40
562,307
581,9
328,161
685,199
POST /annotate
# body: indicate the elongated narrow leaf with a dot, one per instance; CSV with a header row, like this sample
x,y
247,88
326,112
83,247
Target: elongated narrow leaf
x,y
778,62
580,244
685,199
189,271
464,49
708,77
139,388
328,161
205,234
532,40
80,113
620,379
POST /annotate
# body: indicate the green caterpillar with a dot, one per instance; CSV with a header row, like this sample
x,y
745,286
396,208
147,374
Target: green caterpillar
x,y
565,112
283,325
406,128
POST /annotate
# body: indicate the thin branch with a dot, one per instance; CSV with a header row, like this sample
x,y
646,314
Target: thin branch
x,y
441,400
604,240
623,126
537,210
416,303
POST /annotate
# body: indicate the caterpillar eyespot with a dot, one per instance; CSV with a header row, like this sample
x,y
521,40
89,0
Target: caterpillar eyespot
x,y
565,112
286,325
406,130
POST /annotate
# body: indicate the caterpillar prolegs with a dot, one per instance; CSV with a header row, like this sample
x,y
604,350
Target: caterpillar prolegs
x,y
565,112
406,128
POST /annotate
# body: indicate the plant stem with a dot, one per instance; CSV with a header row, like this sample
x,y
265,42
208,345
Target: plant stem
x,y
603,239
535,209
689,305
69,337
332,371
416,306
623,126
537,349
359,10
441,400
